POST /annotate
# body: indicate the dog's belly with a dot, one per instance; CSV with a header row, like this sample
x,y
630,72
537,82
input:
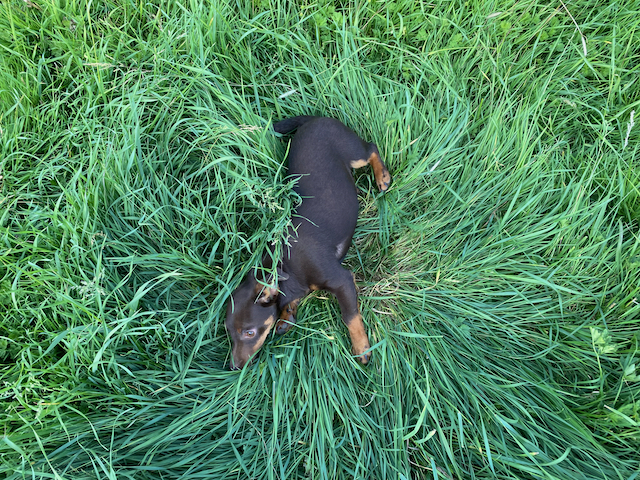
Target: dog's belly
x,y
342,247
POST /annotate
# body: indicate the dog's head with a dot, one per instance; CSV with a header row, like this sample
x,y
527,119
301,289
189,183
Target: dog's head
x,y
251,312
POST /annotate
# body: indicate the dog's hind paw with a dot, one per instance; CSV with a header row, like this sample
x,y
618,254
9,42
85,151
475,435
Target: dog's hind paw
x,y
384,181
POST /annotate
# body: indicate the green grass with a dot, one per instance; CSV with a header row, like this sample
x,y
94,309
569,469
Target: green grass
x,y
499,277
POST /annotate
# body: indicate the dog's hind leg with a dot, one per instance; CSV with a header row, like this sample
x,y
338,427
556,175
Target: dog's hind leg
x,y
383,178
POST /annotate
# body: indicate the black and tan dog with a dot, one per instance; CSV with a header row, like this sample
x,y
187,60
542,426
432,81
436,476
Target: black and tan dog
x,y
322,153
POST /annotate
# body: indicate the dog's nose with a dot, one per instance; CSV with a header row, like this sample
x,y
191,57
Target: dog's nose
x,y
232,366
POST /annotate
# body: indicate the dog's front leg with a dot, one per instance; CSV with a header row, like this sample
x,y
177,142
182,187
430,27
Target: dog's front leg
x,y
287,317
343,287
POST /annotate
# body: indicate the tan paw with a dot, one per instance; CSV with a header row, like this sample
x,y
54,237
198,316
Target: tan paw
x,y
384,181
363,357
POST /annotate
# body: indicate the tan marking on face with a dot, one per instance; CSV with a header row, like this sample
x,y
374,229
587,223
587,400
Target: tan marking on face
x,y
359,163
263,337
359,338
313,287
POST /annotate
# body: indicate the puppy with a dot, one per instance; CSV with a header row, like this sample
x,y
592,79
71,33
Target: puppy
x,y
322,153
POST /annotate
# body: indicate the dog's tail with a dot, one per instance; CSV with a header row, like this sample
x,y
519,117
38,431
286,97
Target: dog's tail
x,y
290,124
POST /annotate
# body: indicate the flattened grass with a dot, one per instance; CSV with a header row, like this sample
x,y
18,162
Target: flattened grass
x,y
140,181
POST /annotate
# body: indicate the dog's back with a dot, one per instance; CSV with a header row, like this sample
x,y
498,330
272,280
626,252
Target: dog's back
x,y
321,154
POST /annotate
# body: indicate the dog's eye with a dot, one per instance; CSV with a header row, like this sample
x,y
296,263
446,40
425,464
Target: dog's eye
x,y
250,333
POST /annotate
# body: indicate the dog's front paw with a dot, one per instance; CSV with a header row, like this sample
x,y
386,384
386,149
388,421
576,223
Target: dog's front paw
x,y
363,353
283,326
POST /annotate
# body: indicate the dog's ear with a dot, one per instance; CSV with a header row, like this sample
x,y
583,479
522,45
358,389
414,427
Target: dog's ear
x,y
269,293
281,274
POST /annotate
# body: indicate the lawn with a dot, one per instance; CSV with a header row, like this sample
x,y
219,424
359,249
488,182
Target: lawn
x,y
499,277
